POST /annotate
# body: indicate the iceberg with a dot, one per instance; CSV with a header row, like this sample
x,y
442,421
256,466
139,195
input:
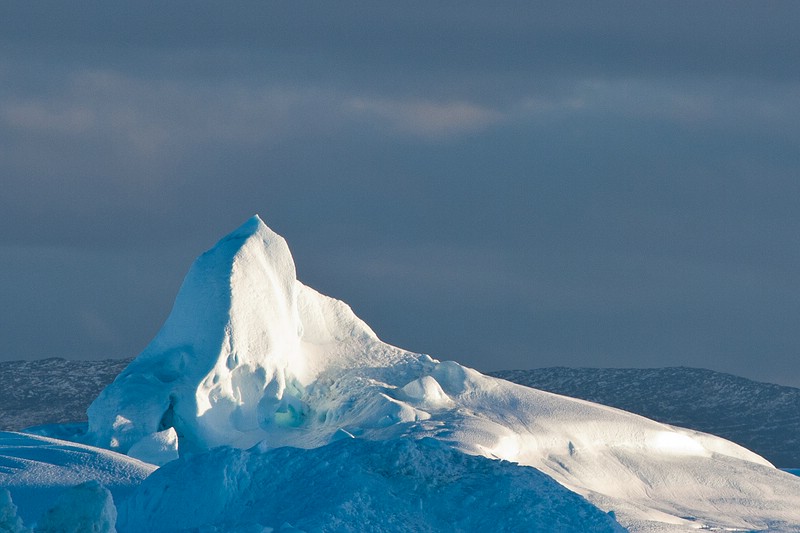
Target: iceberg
x,y
232,362
251,357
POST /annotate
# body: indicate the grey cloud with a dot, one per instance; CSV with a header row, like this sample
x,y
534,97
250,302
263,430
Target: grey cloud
x,y
364,39
509,185
427,118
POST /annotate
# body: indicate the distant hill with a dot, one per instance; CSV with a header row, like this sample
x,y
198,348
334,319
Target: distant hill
x,y
762,417
51,391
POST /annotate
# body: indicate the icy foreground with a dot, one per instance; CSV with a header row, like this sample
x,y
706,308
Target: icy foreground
x,y
250,355
356,485
40,470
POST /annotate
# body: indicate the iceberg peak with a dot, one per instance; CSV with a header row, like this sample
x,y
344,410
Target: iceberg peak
x,y
252,226
242,339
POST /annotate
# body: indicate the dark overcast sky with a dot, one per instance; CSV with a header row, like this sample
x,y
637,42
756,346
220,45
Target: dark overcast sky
x,y
507,185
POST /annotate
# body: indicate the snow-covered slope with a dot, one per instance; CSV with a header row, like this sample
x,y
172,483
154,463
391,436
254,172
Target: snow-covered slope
x,y
37,470
762,417
249,355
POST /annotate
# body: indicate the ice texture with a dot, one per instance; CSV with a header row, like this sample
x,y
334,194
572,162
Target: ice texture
x,y
10,522
356,485
84,508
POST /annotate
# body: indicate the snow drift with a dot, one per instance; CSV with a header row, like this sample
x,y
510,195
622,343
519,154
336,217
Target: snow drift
x,y
250,355
37,471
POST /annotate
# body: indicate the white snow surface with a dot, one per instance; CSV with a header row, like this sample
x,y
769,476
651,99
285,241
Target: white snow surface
x,y
158,448
37,470
250,355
